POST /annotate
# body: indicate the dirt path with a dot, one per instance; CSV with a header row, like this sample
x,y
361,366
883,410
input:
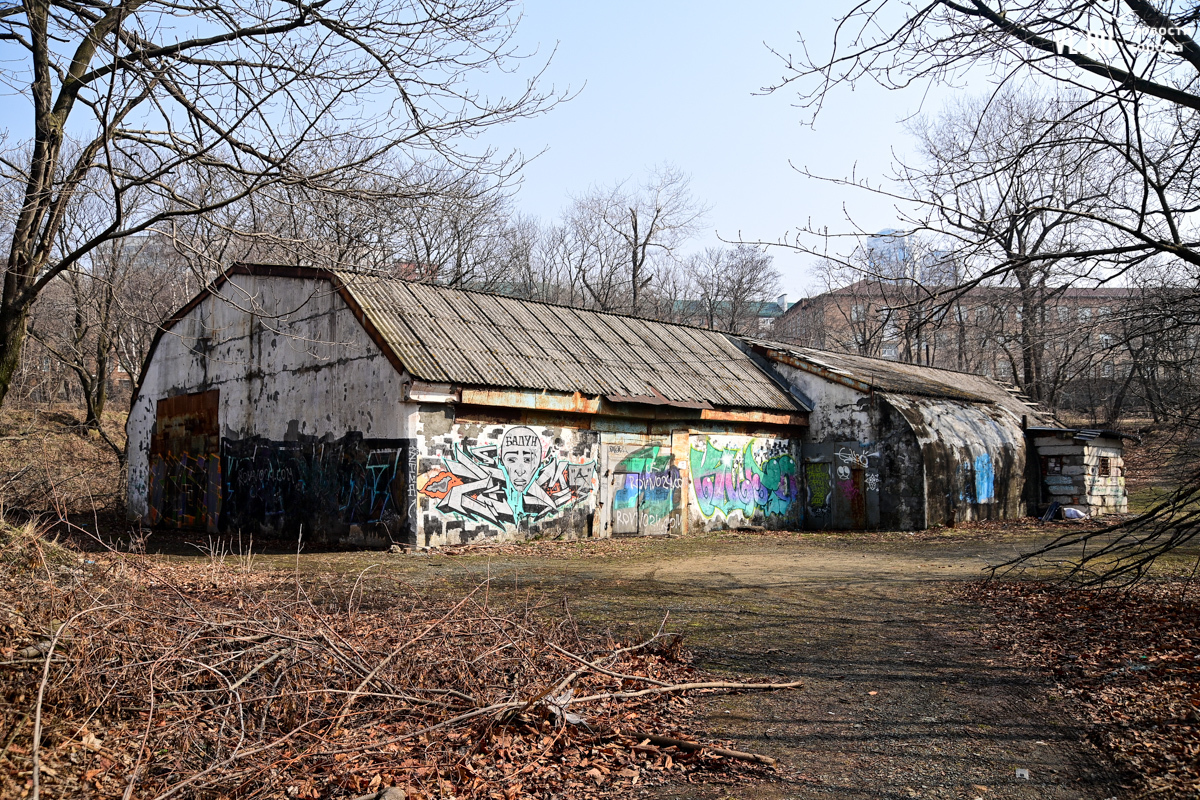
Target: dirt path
x,y
901,697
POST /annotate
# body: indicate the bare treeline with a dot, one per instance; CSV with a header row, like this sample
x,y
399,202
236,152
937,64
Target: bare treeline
x,y
626,248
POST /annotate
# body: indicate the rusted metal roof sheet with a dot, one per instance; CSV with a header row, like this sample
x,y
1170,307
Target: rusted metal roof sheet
x,y
477,339
876,374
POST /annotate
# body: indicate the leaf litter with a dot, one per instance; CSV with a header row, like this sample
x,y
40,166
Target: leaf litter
x,y
127,676
1128,661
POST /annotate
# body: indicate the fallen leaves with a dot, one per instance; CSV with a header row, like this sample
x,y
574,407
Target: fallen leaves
x,y
1128,659
207,681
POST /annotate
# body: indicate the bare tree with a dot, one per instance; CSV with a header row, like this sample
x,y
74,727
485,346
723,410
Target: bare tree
x,y
730,286
624,237
241,97
1133,71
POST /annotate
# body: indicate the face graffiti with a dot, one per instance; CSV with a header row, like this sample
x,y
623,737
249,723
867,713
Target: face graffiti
x,y
521,454
507,482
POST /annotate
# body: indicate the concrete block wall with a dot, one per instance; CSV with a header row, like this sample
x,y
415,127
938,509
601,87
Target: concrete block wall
x,y
1082,484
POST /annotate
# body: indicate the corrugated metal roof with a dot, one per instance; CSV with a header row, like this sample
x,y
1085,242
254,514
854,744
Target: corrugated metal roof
x,y
907,379
476,339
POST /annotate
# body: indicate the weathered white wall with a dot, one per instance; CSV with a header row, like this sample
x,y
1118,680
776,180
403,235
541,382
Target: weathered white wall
x,y
840,413
290,362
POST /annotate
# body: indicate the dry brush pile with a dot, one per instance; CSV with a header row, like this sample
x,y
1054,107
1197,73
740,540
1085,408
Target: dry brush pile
x,y
131,677
51,463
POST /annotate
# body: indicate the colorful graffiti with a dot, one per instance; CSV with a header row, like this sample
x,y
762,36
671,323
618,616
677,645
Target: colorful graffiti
x,y
647,491
820,486
758,477
285,484
985,479
506,482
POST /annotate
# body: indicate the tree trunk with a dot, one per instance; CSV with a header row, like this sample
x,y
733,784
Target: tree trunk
x,y
13,321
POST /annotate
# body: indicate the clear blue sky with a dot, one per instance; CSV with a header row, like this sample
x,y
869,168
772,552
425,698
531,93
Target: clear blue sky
x,y
679,83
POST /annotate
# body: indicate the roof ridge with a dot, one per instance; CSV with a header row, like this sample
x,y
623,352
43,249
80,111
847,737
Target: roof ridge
x,y
868,358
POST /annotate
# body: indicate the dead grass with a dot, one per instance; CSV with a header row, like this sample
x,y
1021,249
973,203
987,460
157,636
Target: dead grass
x,y
126,676
51,464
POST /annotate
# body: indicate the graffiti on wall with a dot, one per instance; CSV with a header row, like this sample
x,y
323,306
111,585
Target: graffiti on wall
x,y
855,458
758,477
985,479
647,490
977,479
184,489
283,484
850,485
819,487
504,482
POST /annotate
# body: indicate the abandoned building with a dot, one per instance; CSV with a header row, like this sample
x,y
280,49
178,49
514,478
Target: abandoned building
x,y
367,408
904,446
361,409
1081,468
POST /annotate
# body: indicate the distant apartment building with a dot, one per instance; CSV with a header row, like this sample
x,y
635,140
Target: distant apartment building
x,y
1069,347
749,317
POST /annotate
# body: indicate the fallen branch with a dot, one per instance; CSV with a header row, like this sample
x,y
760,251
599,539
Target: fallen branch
x,y
212,679
691,747
682,687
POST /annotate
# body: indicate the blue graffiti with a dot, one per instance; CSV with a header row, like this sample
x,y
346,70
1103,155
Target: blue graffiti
x,y
985,479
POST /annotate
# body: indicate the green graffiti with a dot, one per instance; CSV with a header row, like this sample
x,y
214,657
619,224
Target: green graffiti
x,y
650,482
731,479
819,487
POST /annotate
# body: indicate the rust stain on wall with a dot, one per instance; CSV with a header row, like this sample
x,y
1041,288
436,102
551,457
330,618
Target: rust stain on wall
x,y
185,462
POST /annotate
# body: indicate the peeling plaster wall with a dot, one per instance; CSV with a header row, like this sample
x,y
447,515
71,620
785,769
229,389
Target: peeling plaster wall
x,y
301,386
856,467
902,502
841,414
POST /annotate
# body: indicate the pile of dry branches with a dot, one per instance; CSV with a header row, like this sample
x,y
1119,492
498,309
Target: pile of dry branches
x,y
137,678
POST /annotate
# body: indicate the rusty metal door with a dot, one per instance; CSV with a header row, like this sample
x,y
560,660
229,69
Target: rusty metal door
x,y
185,462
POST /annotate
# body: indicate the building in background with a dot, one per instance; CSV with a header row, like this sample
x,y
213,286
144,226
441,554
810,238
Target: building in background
x,y
1074,348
